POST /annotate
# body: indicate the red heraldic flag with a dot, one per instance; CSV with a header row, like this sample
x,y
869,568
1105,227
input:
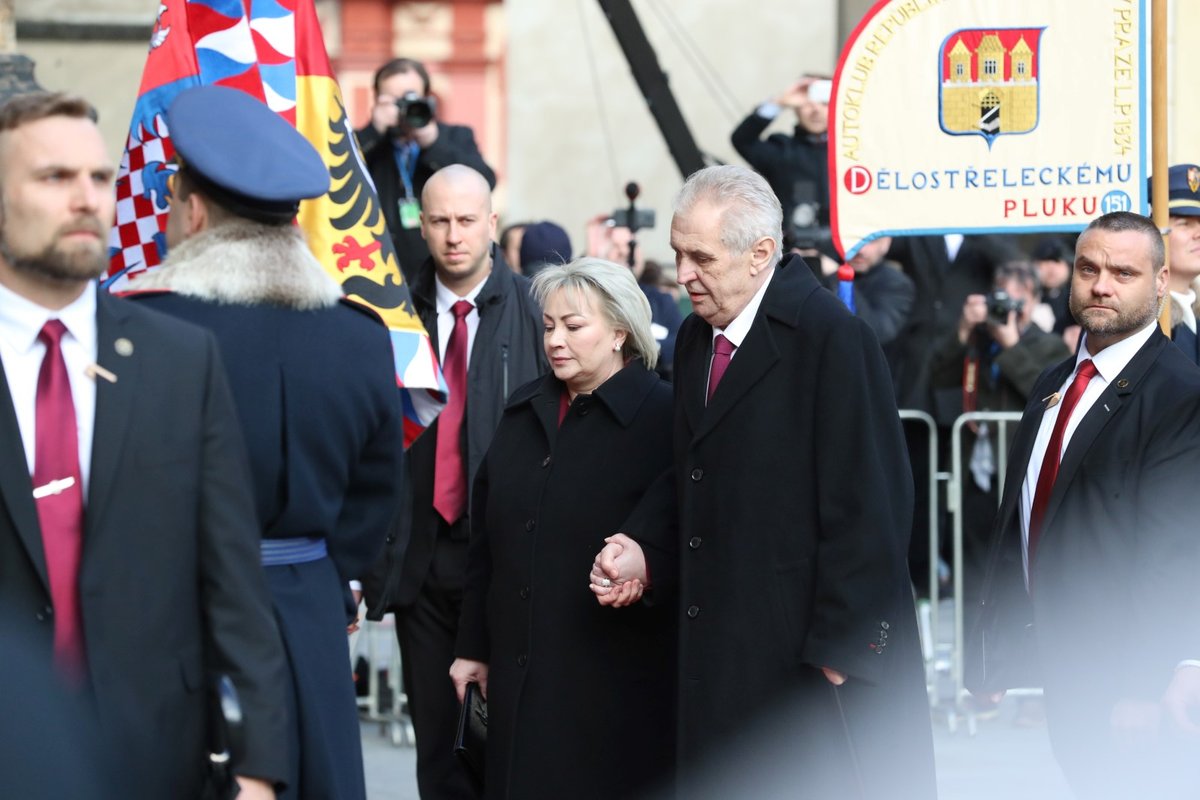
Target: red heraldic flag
x,y
274,51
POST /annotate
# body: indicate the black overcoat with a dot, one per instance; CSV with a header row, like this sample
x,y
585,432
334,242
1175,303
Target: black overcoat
x,y
580,697
795,505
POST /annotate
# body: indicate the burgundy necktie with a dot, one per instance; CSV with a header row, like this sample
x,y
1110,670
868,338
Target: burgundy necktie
x,y
58,493
722,353
1045,482
449,473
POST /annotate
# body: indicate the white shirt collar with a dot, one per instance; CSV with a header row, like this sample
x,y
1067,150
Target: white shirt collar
x,y
954,242
736,331
1111,360
21,319
446,297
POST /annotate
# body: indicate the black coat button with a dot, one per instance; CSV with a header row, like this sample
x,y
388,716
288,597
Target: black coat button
x,y
694,543
524,592
546,461
530,525
697,474
522,660
391,540
693,612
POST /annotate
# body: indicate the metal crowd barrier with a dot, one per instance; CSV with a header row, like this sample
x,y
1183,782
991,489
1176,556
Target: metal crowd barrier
x,y
946,658
384,701
954,502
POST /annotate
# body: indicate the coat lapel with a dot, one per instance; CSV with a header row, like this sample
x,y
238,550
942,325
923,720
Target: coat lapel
x,y
545,404
782,304
116,351
16,487
692,353
750,363
1098,416
1027,431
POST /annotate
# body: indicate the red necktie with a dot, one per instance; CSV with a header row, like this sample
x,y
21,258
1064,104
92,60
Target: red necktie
x,y
1045,482
449,473
722,353
58,494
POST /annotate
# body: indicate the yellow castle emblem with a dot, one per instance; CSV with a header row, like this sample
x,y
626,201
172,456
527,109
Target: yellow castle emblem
x,y
989,82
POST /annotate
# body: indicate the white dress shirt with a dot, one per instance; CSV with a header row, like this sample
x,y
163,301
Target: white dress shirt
x,y
1108,362
736,330
21,353
446,299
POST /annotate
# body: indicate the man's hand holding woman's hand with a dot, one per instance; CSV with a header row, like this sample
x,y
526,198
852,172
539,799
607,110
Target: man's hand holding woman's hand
x,y
618,577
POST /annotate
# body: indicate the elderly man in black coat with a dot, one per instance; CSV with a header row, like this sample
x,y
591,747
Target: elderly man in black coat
x,y
798,652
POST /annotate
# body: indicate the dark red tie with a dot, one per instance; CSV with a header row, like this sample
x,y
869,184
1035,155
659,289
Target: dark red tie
x,y
449,474
58,494
1045,483
722,353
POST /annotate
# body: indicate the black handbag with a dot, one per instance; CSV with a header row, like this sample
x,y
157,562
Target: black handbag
x,y
470,741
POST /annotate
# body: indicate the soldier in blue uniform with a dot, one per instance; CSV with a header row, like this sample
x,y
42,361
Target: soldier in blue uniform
x,y
313,379
1183,190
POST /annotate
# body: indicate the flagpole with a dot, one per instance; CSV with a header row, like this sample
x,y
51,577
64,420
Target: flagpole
x,y
1158,123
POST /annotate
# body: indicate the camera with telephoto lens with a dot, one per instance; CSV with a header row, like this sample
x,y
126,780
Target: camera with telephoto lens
x,y
415,111
803,229
1000,305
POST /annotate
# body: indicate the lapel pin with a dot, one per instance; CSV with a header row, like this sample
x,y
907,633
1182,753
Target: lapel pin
x,y
1051,401
1122,384
95,371
123,346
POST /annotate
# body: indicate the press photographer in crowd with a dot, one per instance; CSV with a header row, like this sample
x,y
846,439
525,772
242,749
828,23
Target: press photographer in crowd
x,y
403,145
990,363
794,165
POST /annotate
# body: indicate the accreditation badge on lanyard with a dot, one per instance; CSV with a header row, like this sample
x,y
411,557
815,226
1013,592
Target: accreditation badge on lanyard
x,y
409,207
410,213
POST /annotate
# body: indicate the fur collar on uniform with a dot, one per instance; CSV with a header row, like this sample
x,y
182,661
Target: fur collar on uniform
x,y
245,263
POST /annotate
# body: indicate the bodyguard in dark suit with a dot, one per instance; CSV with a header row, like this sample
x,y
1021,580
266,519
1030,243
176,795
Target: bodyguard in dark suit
x,y
315,388
794,509
1091,585
488,332
945,270
127,530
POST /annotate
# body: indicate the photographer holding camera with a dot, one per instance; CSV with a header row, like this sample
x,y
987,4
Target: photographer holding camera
x,y
795,166
990,363
403,146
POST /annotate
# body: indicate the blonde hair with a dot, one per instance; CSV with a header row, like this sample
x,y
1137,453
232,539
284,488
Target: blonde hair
x,y
620,299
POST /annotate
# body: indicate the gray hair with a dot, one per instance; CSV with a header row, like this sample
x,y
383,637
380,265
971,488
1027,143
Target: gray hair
x,y
620,300
750,208
1121,221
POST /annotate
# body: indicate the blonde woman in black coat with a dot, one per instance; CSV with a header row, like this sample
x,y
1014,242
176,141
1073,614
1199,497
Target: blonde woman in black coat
x,y
580,697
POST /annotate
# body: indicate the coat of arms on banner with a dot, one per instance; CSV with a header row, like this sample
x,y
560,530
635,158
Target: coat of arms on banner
x,y
989,81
